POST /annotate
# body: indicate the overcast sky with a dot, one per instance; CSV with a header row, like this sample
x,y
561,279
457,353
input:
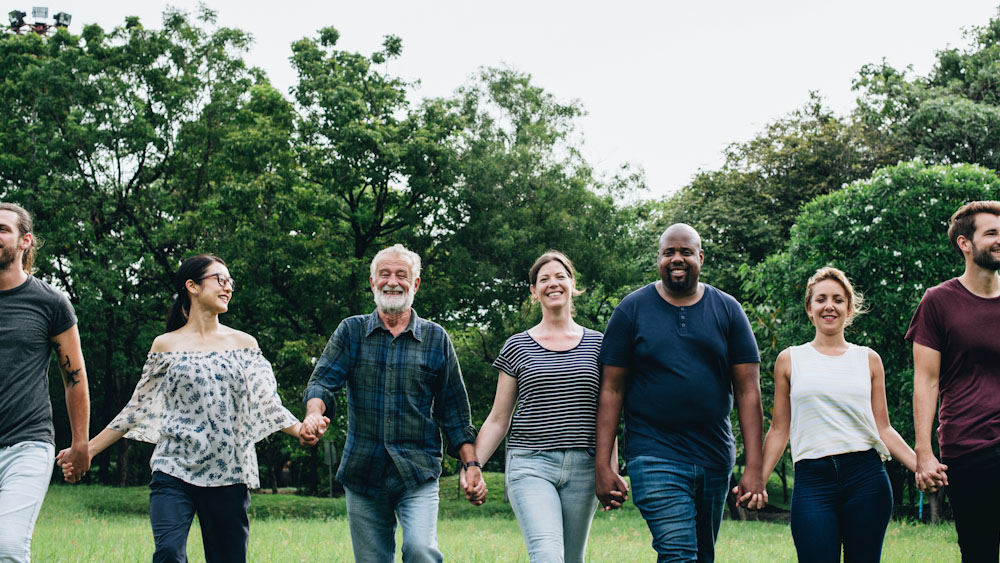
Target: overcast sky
x,y
667,85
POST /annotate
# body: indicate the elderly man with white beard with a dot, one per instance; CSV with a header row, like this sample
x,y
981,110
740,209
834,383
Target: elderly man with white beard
x,y
404,387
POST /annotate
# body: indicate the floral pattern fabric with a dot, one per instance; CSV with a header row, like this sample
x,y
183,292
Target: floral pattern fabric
x,y
205,411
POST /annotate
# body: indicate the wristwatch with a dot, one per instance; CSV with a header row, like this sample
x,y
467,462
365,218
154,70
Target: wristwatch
x,y
472,463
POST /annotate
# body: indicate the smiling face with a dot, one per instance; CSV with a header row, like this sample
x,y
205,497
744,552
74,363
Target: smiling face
x,y
393,285
553,286
679,259
209,293
985,244
829,308
12,242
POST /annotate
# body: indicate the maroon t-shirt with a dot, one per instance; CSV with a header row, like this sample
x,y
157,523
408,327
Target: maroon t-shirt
x,y
965,328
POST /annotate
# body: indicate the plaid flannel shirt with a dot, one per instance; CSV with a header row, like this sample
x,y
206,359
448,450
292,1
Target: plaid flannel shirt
x,y
402,393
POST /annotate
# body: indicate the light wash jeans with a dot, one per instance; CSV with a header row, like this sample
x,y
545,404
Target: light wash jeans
x,y
373,522
552,493
682,504
25,470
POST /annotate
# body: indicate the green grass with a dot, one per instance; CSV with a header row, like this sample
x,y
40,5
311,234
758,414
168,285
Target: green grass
x,y
110,524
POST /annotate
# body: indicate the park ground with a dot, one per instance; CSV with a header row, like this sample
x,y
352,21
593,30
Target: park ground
x,y
97,523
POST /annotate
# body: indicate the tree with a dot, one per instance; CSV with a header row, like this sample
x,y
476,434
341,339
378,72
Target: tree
x,y
745,210
889,234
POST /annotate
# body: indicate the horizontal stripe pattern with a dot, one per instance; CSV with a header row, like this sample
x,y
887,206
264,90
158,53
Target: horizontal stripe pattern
x,y
556,392
831,403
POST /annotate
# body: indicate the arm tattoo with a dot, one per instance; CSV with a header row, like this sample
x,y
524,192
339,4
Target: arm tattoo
x,y
69,376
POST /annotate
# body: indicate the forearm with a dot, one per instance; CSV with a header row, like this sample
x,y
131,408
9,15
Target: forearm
x,y
315,406
925,394
751,417
78,408
490,435
293,430
774,448
898,448
609,409
467,452
104,439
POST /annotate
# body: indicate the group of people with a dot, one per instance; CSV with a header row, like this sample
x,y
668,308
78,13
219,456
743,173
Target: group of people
x,y
675,356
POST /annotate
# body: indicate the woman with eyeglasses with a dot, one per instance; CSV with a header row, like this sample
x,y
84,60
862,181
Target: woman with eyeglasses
x,y
205,397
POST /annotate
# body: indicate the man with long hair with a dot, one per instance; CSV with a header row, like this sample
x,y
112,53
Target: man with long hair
x,y
35,319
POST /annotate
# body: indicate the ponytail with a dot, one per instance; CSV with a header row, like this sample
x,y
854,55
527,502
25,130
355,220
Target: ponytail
x,y
191,268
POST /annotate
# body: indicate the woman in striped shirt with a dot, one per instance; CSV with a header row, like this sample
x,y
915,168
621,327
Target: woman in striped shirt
x,y
829,396
547,398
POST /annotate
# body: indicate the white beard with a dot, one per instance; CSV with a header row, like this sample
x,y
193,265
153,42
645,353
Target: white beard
x,y
393,304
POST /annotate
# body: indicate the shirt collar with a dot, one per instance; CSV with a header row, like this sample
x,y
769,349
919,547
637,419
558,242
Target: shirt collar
x,y
413,327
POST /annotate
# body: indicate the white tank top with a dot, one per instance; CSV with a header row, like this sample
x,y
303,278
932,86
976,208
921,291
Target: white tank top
x,y
831,398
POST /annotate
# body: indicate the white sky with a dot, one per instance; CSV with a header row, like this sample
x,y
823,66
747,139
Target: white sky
x,y
667,85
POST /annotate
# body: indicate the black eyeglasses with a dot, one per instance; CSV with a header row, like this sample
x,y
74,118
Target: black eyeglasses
x,y
222,279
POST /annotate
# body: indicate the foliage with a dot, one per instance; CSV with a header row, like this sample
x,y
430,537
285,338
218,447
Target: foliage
x,y
745,210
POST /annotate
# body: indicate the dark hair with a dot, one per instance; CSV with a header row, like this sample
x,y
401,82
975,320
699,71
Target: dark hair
x,y
963,222
24,226
191,269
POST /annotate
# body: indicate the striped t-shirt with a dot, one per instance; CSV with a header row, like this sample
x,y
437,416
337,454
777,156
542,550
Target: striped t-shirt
x,y
831,399
556,392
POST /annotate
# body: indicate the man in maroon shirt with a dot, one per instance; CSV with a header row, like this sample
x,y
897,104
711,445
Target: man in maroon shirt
x,y
956,353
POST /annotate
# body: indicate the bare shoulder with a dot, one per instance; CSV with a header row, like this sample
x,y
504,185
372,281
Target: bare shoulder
x,y
240,339
875,362
783,364
166,342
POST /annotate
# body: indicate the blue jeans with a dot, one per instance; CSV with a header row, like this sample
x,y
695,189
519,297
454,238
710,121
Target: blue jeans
x,y
973,493
372,521
682,504
841,500
25,470
222,513
552,493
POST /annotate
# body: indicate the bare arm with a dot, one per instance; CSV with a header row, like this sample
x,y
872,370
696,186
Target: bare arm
x,y
69,354
746,389
781,417
898,447
498,421
930,473
612,490
491,434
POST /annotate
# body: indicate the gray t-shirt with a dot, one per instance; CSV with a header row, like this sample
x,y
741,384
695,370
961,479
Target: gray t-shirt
x,y
30,315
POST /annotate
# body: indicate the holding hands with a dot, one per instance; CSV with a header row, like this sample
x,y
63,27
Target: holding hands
x,y
612,490
930,473
472,482
74,461
312,429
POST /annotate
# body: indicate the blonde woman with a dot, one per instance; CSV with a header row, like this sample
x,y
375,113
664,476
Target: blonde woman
x,y
829,398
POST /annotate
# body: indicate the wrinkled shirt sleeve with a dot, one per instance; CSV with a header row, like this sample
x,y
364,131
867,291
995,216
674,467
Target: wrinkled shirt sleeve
x,y
451,407
267,415
331,370
143,416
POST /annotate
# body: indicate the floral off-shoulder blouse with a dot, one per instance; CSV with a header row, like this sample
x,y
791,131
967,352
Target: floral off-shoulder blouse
x,y
205,411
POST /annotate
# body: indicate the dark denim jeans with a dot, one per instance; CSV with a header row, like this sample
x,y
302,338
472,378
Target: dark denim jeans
x,y
222,513
841,500
974,496
682,504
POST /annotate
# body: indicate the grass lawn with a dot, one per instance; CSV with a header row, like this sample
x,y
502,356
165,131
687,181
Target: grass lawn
x,y
94,523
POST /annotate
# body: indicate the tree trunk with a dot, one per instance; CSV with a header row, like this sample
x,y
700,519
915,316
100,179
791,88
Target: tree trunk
x,y
936,505
783,474
123,447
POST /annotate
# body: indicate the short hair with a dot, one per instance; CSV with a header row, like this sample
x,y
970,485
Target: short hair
x,y
963,222
25,225
399,250
855,301
553,256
